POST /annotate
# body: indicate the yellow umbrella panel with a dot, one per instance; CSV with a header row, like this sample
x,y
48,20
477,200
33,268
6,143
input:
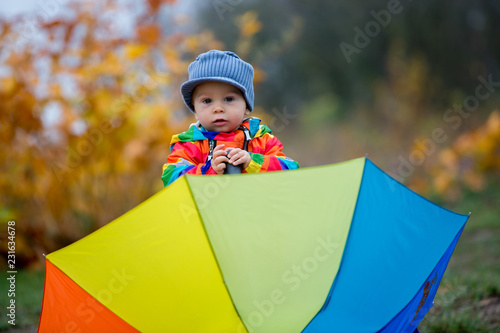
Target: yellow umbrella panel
x,y
153,268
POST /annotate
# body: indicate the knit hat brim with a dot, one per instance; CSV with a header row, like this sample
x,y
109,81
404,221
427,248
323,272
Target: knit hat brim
x,y
219,66
187,89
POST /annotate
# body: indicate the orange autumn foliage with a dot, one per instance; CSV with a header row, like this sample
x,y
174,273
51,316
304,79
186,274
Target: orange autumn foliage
x,y
86,117
470,163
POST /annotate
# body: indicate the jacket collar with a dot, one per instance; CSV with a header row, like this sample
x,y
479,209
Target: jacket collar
x,y
196,132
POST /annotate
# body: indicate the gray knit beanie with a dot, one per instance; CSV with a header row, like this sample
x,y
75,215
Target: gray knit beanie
x,y
222,66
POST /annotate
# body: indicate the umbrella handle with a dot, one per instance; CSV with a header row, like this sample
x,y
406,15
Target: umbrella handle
x,y
232,169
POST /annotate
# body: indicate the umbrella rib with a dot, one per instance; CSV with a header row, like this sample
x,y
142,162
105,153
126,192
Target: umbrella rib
x,y
334,283
212,251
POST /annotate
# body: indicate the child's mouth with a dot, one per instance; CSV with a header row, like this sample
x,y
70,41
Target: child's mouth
x,y
220,122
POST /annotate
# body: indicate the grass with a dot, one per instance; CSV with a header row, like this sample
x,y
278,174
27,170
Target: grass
x,y
29,294
468,299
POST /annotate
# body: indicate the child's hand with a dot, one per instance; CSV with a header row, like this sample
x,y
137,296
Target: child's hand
x,y
219,159
238,156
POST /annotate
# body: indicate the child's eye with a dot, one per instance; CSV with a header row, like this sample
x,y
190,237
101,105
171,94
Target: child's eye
x,y
229,99
206,100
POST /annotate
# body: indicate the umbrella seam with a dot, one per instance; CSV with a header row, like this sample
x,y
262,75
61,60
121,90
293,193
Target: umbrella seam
x,y
328,297
213,251
84,290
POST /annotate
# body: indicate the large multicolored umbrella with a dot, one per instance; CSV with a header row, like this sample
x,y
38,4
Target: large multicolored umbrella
x,y
339,248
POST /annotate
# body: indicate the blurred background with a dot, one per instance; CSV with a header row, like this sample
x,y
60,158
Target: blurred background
x,y
89,99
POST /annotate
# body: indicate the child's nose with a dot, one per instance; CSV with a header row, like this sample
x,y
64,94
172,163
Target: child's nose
x,y
218,108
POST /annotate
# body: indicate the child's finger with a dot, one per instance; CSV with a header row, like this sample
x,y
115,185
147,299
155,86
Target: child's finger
x,y
219,147
234,152
220,168
218,165
218,153
232,156
239,158
220,160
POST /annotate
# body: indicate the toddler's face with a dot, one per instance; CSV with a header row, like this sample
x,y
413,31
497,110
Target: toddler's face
x,y
219,106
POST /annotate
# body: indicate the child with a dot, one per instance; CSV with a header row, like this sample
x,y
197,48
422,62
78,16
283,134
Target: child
x,y
220,94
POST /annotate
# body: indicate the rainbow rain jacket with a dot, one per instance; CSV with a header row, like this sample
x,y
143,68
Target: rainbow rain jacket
x,y
190,150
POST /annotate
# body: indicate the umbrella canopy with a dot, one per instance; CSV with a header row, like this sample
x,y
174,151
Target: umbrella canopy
x,y
334,248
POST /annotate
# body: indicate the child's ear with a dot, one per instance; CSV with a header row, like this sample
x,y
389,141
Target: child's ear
x,y
247,112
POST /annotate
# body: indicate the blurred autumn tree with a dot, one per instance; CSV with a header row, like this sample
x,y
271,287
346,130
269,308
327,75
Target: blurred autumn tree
x,y
87,111
471,164
454,40
410,61
89,99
